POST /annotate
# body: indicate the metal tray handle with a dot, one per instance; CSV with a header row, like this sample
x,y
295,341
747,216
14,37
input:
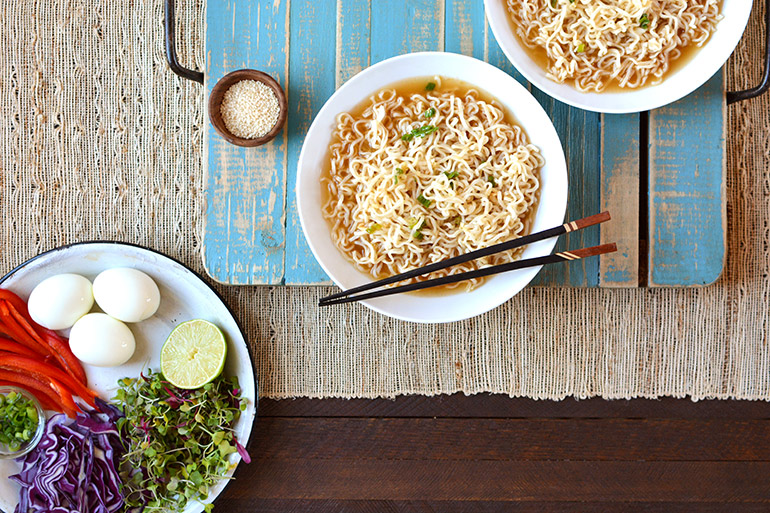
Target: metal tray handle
x,y
747,94
173,62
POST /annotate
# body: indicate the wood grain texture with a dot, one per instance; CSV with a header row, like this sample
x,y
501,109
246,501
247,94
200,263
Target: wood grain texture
x,y
512,439
406,26
244,233
580,137
687,205
312,60
620,196
432,506
459,453
521,481
354,19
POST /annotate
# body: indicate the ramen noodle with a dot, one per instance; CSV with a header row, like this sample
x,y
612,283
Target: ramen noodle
x,y
629,43
427,170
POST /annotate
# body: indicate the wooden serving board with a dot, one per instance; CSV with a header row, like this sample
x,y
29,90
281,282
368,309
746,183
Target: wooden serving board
x,y
661,174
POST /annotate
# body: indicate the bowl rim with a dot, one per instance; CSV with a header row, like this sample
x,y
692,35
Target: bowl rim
x,y
354,91
41,423
676,85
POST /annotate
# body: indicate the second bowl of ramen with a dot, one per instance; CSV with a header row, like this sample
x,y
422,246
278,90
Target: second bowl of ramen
x,y
423,157
618,56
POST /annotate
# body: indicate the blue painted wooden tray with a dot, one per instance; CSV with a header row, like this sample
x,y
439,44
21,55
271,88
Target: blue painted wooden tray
x,y
661,175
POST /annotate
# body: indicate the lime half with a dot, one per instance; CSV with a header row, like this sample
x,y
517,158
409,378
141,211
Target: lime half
x,y
193,354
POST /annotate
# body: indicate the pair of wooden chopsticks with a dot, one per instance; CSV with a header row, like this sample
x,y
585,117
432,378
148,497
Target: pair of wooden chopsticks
x,y
565,256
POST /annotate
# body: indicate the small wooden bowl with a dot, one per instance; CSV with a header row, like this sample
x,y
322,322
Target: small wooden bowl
x,y
218,93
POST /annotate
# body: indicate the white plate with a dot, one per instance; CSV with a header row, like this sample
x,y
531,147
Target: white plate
x,y
676,85
184,296
528,113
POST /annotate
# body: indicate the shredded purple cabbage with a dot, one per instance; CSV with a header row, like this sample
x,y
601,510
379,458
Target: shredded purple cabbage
x,y
74,468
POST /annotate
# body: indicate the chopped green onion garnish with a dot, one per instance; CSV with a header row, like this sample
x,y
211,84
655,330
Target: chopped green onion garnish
x,y
491,179
581,48
451,175
430,113
419,132
416,230
18,420
430,87
423,201
373,228
457,220
398,173
644,21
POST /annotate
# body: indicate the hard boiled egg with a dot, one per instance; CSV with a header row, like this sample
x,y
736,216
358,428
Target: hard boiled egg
x,y
98,339
126,294
57,302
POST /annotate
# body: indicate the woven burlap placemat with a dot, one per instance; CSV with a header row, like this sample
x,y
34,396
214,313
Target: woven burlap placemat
x,y
99,140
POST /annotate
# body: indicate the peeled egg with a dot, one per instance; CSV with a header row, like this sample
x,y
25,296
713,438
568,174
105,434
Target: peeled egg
x,y
126,294
98,339
60,300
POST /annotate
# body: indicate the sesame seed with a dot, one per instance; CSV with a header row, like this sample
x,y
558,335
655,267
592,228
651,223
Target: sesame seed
x,y
249,109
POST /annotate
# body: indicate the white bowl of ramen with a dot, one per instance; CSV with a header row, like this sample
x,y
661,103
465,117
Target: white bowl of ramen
x,y
686,74
510,96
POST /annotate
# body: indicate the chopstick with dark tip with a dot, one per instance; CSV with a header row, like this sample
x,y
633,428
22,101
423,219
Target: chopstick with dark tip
x,y
473,255
564,256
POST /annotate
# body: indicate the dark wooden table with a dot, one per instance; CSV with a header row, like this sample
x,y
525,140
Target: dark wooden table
x,y
493,453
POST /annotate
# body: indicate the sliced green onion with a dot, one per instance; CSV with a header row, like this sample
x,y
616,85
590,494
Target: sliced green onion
x,y
581,48
491,179
417,230
419,132
398,173
430,87
451,175
644,21
430,113
18,420
373,228
423,201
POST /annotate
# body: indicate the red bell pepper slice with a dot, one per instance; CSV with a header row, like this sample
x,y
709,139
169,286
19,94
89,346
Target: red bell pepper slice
x,y
60,345
51,390
43,371
15,300
57,344
11,328
6,344
60,349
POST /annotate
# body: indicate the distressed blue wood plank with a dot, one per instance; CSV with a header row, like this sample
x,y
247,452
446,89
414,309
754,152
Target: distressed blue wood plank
x,y
687,189
312,62
244,233
464,28
466,31
405,26
620,196
496,57
579,132
353,35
